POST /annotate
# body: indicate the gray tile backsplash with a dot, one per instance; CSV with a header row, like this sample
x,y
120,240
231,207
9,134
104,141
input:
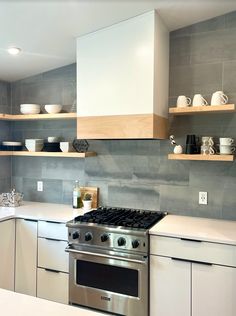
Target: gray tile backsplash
x,y
137,173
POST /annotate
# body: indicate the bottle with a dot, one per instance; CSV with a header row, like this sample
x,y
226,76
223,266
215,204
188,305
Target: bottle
x,y
77,201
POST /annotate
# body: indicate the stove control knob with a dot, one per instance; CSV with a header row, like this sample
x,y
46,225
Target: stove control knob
x,y
135,243
75,235
104,237
88,237
121,241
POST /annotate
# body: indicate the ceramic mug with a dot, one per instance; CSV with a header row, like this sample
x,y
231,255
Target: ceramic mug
x,y
207,141
219,98
198,100
227,150
207,150
226,141
183,101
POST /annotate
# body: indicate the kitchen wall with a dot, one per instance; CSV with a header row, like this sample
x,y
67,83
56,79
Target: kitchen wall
x,y
137,173
5,162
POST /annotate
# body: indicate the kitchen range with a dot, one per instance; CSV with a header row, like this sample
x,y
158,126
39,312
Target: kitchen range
x,y
109,259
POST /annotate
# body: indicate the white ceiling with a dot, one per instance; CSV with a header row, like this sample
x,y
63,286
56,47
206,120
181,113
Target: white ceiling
x,y
46,29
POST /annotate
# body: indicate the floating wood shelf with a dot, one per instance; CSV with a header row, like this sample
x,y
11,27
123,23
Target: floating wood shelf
x,y
48,154
201,157
226,108
25,117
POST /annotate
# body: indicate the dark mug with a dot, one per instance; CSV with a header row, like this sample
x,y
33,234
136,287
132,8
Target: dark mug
x,y
191,145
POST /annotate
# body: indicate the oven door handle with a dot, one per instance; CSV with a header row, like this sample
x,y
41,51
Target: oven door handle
x,y
70,250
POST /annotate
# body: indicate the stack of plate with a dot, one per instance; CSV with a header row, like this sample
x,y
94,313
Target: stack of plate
x,y
34,144
30,108
16,146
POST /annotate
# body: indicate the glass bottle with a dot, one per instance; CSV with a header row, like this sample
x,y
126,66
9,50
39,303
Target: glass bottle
x,y
77,200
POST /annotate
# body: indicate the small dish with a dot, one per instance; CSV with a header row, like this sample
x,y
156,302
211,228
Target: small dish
x,y
53,139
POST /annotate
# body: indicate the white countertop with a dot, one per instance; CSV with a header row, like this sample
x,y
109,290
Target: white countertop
x,y
40,211
211,230
15,304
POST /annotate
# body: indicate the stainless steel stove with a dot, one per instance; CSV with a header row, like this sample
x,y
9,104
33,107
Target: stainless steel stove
x,y
109,250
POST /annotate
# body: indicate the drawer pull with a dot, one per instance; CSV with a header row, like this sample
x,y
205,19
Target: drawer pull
x,y
187,239
51,270
30,220
54,222
192,261
52,239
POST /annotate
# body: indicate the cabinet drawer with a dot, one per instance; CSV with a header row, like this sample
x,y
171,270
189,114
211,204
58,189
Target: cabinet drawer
x,y
52,255
194,250
52,230
53,286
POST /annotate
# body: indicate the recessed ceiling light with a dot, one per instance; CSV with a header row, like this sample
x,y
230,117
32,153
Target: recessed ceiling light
x,y
14,50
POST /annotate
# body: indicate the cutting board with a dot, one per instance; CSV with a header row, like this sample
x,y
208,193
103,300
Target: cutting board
x,y
94,192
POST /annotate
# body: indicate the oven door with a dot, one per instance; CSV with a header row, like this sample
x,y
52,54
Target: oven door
x,y
109,281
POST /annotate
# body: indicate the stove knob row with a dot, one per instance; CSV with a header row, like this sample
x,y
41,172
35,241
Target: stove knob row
x,y
135,243
75,235
121,241
88,237
104,237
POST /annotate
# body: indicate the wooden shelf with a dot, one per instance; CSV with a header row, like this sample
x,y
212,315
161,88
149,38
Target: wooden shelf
x,y
226,108
201,157
24,117
5,153
48,154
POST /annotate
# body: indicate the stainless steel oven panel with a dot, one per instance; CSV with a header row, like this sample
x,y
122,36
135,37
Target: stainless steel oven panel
x,y
105,300
112,240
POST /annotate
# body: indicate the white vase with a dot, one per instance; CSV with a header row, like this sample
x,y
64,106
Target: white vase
x,y
87,205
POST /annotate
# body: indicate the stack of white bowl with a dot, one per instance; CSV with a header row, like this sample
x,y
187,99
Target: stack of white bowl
x,y
34,144
30,108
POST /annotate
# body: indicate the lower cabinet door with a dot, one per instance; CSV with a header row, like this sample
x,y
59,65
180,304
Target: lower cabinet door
x,y
170,287
26,256
7,250
213,290
53,285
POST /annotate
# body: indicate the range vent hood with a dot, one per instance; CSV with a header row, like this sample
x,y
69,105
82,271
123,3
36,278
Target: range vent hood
x,y
123,79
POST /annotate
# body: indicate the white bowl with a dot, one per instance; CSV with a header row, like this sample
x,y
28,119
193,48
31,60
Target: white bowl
x,y
66,147
36,140
53,108
53,139
30,108
29,105
34,147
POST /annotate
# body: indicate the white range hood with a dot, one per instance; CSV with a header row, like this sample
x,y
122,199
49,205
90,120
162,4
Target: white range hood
x,y
122,80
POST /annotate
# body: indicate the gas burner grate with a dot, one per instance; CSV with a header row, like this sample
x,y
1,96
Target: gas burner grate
x,y
123,217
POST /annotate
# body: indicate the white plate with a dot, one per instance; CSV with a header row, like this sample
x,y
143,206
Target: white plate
x,y
12,143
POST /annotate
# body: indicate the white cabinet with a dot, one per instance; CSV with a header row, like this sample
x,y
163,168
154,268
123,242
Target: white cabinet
x,y
122,80
213,290
52,255
7,250
26,256
191,278
53,262
169,279
53,285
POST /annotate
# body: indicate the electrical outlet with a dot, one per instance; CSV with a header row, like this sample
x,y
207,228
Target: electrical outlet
x,y
40,186
202,198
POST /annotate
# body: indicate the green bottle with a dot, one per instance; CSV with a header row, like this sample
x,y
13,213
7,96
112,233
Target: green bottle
x,y
77,200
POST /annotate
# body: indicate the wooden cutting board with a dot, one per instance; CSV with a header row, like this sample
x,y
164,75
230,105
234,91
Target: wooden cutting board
x,y
94,191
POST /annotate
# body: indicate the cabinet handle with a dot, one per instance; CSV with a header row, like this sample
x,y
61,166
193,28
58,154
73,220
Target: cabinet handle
x,y
54,222
192,261
30,220
52,239
187,239
51,270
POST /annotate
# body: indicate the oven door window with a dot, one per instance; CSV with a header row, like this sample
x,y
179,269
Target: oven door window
x,y
107,277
